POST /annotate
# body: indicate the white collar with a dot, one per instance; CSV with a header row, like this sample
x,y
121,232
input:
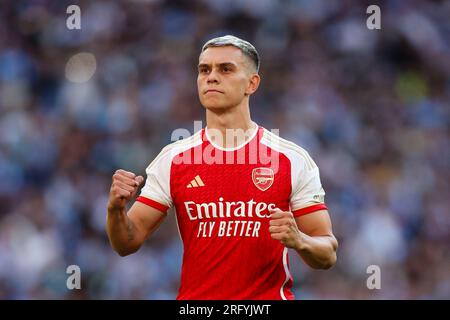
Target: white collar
x,y
252,135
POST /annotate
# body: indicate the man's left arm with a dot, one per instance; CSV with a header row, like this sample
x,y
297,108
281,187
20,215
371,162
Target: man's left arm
x,y
310,235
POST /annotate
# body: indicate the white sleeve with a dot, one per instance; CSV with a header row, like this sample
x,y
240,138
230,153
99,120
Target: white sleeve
x,y
157,184
307,191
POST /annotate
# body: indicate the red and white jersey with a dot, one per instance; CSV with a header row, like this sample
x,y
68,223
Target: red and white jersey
x,y
222,197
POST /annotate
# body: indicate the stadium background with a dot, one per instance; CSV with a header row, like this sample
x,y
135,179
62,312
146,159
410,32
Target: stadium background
x,y
371,107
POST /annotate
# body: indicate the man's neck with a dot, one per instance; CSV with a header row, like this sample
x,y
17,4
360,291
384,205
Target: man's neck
x,y
228,123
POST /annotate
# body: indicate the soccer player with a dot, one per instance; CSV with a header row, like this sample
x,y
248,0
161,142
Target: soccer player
x,y
241,200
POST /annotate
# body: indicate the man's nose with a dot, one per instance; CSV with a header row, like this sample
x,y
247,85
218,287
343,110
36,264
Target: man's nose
x,y
212,77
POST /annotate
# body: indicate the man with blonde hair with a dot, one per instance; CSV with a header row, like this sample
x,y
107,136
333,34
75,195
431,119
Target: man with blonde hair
x,y
237,219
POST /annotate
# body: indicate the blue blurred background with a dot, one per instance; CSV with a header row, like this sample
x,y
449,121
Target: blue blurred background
x,y
371,106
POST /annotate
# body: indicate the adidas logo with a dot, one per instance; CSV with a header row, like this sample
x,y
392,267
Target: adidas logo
x,y
197,182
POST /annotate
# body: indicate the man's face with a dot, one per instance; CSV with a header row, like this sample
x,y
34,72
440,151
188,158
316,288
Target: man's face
x,y
223,77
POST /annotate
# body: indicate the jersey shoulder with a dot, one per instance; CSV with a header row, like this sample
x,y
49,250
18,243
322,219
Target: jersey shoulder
x,y
293,151
173,149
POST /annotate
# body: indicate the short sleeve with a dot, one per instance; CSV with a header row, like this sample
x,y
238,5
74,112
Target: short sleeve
x,y
307,195
156,191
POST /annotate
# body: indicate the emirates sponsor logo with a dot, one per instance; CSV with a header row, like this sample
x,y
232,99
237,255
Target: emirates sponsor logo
x,y
227,209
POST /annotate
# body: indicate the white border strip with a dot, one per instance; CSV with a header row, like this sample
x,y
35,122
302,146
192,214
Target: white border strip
x,y
286,270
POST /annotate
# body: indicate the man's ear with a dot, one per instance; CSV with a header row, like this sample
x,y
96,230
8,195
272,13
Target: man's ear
x,y
253,84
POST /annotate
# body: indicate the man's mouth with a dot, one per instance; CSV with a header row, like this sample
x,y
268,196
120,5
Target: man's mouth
x,y
212,91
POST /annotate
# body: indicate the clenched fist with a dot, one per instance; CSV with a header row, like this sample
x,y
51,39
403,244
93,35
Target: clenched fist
x,y
284,228
124,186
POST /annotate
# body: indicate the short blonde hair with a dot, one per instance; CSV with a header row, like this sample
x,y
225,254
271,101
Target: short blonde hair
x,y
246,47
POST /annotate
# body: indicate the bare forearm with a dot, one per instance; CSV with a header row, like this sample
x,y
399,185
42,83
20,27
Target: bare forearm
x,y
317,252
121,231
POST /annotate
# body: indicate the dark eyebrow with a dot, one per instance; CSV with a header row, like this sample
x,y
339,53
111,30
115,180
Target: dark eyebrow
x,y
227,64
223,64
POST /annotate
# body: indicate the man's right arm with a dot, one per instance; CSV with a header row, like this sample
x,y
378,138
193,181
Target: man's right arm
x,y
127,231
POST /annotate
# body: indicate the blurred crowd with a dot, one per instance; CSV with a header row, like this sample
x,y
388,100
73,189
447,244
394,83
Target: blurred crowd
x,y
372,107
